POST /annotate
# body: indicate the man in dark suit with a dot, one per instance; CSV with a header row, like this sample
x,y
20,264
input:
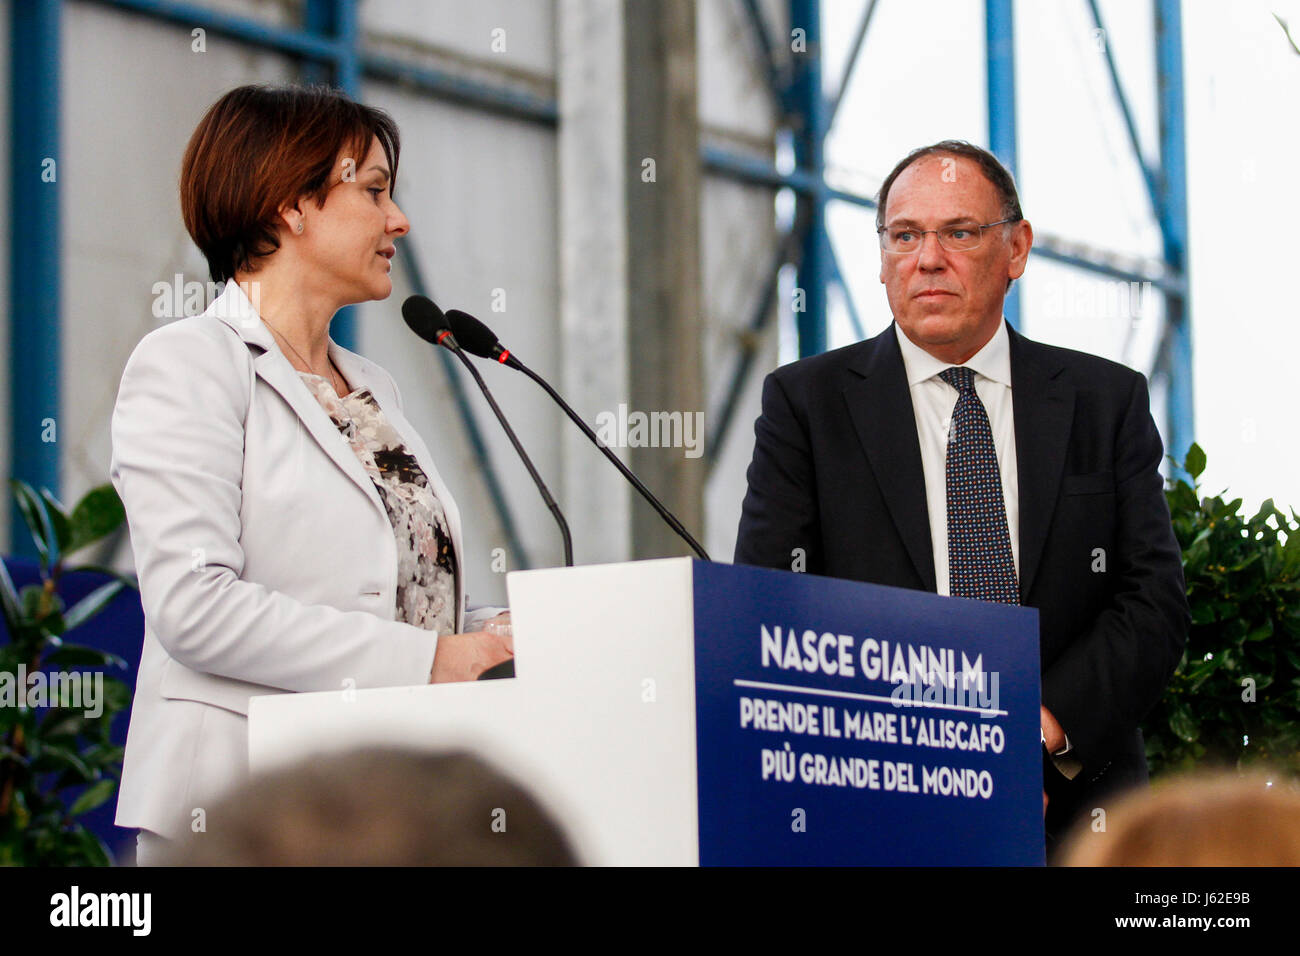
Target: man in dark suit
x,y
1029,474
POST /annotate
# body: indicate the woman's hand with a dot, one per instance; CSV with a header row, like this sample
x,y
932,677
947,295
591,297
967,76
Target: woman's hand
x,y
465,656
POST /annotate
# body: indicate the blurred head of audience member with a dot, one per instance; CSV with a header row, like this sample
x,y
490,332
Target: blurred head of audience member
x,y
379,807
1208,818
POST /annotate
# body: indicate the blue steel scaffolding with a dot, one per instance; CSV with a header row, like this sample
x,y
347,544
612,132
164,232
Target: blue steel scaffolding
x,y
806,113
328,48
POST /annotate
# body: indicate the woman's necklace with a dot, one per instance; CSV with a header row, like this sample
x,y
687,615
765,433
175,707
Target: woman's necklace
x,y
312,370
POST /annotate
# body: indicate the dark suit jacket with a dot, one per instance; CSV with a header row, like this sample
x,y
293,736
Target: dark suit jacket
x,y
837,472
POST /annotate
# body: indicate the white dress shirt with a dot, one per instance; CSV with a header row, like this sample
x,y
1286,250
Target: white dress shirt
x,y
933,401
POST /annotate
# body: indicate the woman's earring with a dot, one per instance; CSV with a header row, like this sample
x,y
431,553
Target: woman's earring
x,y
300,227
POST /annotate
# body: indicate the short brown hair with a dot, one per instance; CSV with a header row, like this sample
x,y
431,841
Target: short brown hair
x,y
259,148
382,806
993,171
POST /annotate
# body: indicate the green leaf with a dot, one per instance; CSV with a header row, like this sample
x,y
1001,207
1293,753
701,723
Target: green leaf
x,y
1194,464
95,795
117,696
1200,672
107,757
1261,633
38,520
62,722
131,581
58,518
1182,499
8,597
91,604
1266,511
32,597
1184,725
54,757
8,753
93,852
1247,562
1198,553
99,513
81,655
1202,613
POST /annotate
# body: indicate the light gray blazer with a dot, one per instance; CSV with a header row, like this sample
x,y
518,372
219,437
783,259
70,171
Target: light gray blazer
x,y
266,558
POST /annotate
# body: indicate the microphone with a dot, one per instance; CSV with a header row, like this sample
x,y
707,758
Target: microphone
x,y
477,339
427,321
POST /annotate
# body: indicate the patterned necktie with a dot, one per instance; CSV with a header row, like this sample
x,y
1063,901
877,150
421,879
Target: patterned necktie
x,y
980,564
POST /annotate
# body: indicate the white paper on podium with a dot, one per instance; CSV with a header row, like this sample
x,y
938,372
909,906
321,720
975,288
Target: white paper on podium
x,y
599,724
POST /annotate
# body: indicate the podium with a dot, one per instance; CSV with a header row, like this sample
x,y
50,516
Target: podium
x,y
677,712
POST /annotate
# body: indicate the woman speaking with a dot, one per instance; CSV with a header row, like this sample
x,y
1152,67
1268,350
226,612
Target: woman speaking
x,y
290,530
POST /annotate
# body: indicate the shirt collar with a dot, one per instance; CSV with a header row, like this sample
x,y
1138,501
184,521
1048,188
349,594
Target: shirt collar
x,y
993,361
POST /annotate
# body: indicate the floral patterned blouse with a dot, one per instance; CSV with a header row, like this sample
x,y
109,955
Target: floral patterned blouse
x,y
427,565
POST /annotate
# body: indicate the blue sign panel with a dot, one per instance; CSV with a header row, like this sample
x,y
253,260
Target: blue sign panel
x,y
848,723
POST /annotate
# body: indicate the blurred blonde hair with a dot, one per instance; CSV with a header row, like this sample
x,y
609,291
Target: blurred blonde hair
x,y
1205,818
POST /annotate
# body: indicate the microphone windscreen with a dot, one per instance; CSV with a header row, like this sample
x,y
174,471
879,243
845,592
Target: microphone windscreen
x,y
423,317
474,337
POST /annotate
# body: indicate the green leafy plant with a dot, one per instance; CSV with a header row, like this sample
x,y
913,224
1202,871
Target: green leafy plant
x,y
1235,698
51,749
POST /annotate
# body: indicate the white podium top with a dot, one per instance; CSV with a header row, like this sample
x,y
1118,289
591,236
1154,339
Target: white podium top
x,y
599,723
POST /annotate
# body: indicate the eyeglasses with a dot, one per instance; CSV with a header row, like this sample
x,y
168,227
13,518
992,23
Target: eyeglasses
x,y
961,237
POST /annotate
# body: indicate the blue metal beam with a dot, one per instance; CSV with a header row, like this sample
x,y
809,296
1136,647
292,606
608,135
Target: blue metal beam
x,y
1170,285
288,40
347,33
318,20
328,50
747,169
336,22
858,38
35,255
808,104
1153,192
482,457
855,319
767,53
502,101
724,417
761,172
1000,49
1172,210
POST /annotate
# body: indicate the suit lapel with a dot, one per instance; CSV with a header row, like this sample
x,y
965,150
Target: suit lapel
x,y
1043,408
880,407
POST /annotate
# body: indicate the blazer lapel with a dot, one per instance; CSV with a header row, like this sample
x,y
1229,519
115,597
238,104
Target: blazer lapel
x,y
880,406
1043,408
233,308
